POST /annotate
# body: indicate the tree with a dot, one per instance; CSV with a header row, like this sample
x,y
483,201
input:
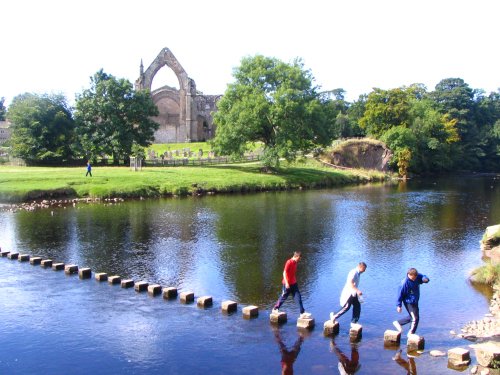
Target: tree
x,y
274,103
42,128
111,117
3,110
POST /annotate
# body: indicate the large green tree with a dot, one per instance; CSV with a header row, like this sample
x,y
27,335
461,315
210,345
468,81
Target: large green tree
x,y
42,128
275,103
3,110
111,118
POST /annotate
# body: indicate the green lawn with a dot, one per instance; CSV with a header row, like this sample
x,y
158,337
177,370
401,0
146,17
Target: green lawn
x,y
19,184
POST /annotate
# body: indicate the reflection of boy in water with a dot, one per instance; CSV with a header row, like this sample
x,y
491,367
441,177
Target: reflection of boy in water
x,y
409,366
288,357
347,365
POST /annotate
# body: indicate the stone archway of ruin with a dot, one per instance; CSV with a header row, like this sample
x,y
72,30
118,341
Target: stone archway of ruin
x,y
166,58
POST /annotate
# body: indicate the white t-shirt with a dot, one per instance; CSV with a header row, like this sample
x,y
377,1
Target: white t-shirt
x,y
348,291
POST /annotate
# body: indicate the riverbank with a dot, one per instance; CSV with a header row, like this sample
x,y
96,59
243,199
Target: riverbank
x,y
24,184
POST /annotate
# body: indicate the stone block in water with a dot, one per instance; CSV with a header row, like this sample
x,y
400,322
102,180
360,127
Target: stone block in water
x,y
85,273
306,322
458,357
205,301
13,256
46,263
229,306
415,342
154,289
57,266
250,311
170,292
355,332
4,254
141,286
392,337
279,317
331,328
186,297
70,269
114,279
35,260
128,283
23,258
101,276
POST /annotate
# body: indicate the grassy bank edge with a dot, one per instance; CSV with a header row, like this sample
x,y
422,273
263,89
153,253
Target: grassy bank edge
x,y
178,181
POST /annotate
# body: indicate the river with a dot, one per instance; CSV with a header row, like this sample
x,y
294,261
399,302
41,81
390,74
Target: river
x,y
234,248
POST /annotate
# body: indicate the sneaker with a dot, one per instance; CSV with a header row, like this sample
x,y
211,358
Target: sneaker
x,y
398,326
305,315
332,317
275,311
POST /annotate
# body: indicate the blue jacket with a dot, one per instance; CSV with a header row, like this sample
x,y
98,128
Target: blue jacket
x,y
409,290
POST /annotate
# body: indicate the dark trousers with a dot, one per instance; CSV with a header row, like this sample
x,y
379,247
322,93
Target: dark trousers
x,y
294,290
413,317
356,309
88,173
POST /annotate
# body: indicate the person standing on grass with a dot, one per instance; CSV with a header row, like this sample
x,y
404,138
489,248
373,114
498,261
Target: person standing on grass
x,y
290,284
89,169
409,294
351,294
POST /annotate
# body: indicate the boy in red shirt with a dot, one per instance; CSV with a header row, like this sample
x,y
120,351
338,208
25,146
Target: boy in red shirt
x,y
290,283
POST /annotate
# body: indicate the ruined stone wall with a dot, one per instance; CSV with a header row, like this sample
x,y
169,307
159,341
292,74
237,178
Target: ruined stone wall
x,y
185,114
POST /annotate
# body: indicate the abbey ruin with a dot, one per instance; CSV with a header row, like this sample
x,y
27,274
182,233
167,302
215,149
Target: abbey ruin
x,y
185,113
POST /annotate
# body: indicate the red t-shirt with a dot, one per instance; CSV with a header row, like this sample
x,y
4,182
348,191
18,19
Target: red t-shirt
x,y
290,269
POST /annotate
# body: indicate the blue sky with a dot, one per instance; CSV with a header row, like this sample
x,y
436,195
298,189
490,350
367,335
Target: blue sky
x,y
54,46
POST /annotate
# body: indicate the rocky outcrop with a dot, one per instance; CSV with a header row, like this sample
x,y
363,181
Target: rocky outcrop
x,y
490,244
364,153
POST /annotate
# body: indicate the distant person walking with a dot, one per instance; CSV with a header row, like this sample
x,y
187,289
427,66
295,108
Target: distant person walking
x,y
351,294
409,294
89,169
290,283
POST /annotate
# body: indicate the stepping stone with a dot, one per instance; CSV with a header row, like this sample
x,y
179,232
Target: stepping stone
x,y
229,306
331,328
13,256
154,289
101,276
355,332
392,337
23,258
205,301
46,263
170,293
35,260
57,266
415,342
186,297
141,286
84,273
114,280
250,311
70,269
278,318
128,283
306,322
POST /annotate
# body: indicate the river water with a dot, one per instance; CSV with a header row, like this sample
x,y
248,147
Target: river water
x,y
234,248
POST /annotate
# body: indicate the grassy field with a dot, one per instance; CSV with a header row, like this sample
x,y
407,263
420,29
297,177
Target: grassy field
x,y
18,184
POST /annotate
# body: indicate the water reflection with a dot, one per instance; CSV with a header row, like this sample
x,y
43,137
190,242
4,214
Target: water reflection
x,y
347,364
408,364
288,355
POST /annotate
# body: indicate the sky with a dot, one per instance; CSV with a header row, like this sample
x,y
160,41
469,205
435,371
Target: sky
x,y
55,46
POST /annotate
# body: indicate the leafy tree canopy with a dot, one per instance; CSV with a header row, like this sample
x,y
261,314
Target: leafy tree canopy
x,y
111,117
43,128
3,110
272,102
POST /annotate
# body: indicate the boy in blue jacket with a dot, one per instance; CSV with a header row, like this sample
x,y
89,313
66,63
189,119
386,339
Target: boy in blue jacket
x,y
409,294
